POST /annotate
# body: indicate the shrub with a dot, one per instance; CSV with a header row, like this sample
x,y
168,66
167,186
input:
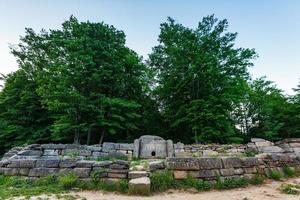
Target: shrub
x,y
122,185
191,182
290,189
68,181
231,183
289,171
276,175
257,180
97,175
161,181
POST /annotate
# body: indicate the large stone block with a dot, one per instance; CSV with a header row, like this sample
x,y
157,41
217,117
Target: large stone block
x,y
137,174
82,172
250,162
103,164
85,163
109,146
139,186
30,153
182,163
127,147
155,165
170,148
39,172
22,164
116,175
270,149
180,174
65,171
233,162
210,163
204,173
47,163
67,163
118,166
51,152
250,170
227,172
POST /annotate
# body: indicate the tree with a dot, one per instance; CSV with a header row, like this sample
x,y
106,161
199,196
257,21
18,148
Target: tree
x,y
200,76
81,70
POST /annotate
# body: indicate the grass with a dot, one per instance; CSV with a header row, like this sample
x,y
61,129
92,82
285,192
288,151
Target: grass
x,y
161,181
191,182
289,171
276,175
293,189
231,183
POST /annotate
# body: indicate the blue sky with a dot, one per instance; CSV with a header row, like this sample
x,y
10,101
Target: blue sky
x,y
272,27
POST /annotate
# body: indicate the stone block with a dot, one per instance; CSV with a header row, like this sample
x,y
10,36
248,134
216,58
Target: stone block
x,y
233,162
101,172
250,162
30,153
22,163
250,170
102,164
122,162
227,172
39,172
137,174
257,140
182,163
180,174
238,171
67,163
118,166
136,147
270,149
65,171
127,147
99,154
209,153
116,175
51,152
82,172
47,163
155,165
210,163
139,186
170,148
109,146
85,163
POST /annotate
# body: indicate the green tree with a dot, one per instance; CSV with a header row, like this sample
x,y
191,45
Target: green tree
x,y
81,70
200,77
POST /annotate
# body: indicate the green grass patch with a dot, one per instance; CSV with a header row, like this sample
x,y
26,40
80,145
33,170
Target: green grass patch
x,y
293,189
231,183
161,181
276,175
289,171
191,182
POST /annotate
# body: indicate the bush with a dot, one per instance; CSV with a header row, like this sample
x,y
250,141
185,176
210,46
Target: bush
x,y
122,186
231,183
68,181
191,182
276,175
289,171
257,180
161,181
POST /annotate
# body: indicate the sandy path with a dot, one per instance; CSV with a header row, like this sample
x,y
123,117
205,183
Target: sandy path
x,y
267,191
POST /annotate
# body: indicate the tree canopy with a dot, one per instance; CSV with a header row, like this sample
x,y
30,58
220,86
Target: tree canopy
x,y
82,84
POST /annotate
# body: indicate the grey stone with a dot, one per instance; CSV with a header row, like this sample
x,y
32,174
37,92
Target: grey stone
x,y
227,172
102,164
67,163
231,162
270,149
170,148
22,163
155,165
250,170
116,175
137,174
4,163
127,147
50,152
136,147
47,163
99,154
122,162
257,140
139,186
204,173
109,146
94,148
210,163
65,171
82,172
182,163
30,153
238,171
85,163
39,172
250,162
101,172
118,166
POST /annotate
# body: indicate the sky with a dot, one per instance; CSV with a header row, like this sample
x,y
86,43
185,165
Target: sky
x,y
272,27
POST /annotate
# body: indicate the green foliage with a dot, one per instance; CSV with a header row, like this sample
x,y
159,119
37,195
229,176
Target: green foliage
x,y
276,175
293,189
289,171
231,183
257,180
68,181
191,182
161,180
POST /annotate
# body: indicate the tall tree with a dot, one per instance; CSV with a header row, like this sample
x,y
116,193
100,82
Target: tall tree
x,y
80,70
200,77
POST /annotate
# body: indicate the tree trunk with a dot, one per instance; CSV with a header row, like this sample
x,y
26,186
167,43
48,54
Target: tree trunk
x,y
76,137
196,137
102,136
89,135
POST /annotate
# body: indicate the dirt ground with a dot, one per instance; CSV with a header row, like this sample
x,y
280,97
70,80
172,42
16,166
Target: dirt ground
x,y
268,191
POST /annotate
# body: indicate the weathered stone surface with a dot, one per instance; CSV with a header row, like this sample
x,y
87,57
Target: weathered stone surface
x,y
47,163
109,146
101,172
231,162
257,140
67,163
270,149
182,163
50,152
250,170
249,162
122,162
180,174
30,153
118,166
170,148
155,165
238,171
116,175
209,153
227,172
22,163
82,172
137,174
85,163
136,147
65,171
4,163
139,186
210,163
99,154
204,173
102,164
39,172
125,146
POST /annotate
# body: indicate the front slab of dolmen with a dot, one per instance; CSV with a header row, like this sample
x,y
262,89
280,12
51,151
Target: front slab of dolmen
x,y
205,162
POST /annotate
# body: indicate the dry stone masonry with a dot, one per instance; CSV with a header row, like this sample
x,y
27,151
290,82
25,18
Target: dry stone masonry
x,y
207,162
